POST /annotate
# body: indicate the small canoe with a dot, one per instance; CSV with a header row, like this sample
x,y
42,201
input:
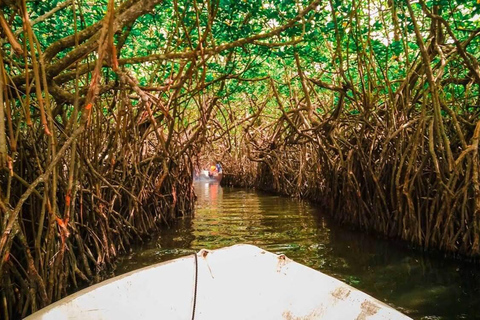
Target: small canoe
x,y
238,282
203,176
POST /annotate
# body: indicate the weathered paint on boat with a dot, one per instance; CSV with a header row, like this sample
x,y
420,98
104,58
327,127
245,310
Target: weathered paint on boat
x,y
238,282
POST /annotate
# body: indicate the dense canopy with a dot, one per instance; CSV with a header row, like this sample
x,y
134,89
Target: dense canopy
x,y
107,108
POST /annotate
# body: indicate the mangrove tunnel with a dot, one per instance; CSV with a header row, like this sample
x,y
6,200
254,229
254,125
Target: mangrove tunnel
x,y
370,108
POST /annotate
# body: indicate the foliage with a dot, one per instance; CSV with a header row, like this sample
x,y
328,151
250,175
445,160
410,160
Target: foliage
x,y
106,106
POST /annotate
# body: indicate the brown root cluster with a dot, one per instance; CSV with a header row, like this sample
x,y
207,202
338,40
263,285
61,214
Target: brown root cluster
x,y
398,157
92,161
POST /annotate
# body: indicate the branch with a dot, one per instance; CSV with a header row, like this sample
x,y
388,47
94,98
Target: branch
x,y
126,14
325,85
83,35
13,214
10,36
84,68
46,15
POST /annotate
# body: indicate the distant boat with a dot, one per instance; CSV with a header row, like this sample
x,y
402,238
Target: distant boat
x,y
238,282
204,175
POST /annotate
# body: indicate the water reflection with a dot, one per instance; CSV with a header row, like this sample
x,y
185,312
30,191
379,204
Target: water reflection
x,y
421,286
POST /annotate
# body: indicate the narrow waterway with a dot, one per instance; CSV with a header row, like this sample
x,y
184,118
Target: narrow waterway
x,y
421,286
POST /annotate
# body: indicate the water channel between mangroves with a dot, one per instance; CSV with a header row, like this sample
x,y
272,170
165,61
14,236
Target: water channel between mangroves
x,y
419,285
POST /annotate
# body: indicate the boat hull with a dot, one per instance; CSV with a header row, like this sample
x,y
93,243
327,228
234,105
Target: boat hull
x,y
239,282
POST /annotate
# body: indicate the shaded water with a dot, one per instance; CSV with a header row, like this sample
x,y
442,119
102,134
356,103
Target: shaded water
x,y
422,287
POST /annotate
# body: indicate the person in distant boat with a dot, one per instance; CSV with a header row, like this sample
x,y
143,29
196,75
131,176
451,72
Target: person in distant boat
x,y
219,168
213,172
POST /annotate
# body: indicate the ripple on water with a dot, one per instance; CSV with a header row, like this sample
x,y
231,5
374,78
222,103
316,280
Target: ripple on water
x,y
423,287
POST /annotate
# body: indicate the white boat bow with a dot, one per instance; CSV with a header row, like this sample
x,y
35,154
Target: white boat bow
x,y
238,282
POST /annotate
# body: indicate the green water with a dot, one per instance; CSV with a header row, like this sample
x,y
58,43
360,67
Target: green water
x,y
421,286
